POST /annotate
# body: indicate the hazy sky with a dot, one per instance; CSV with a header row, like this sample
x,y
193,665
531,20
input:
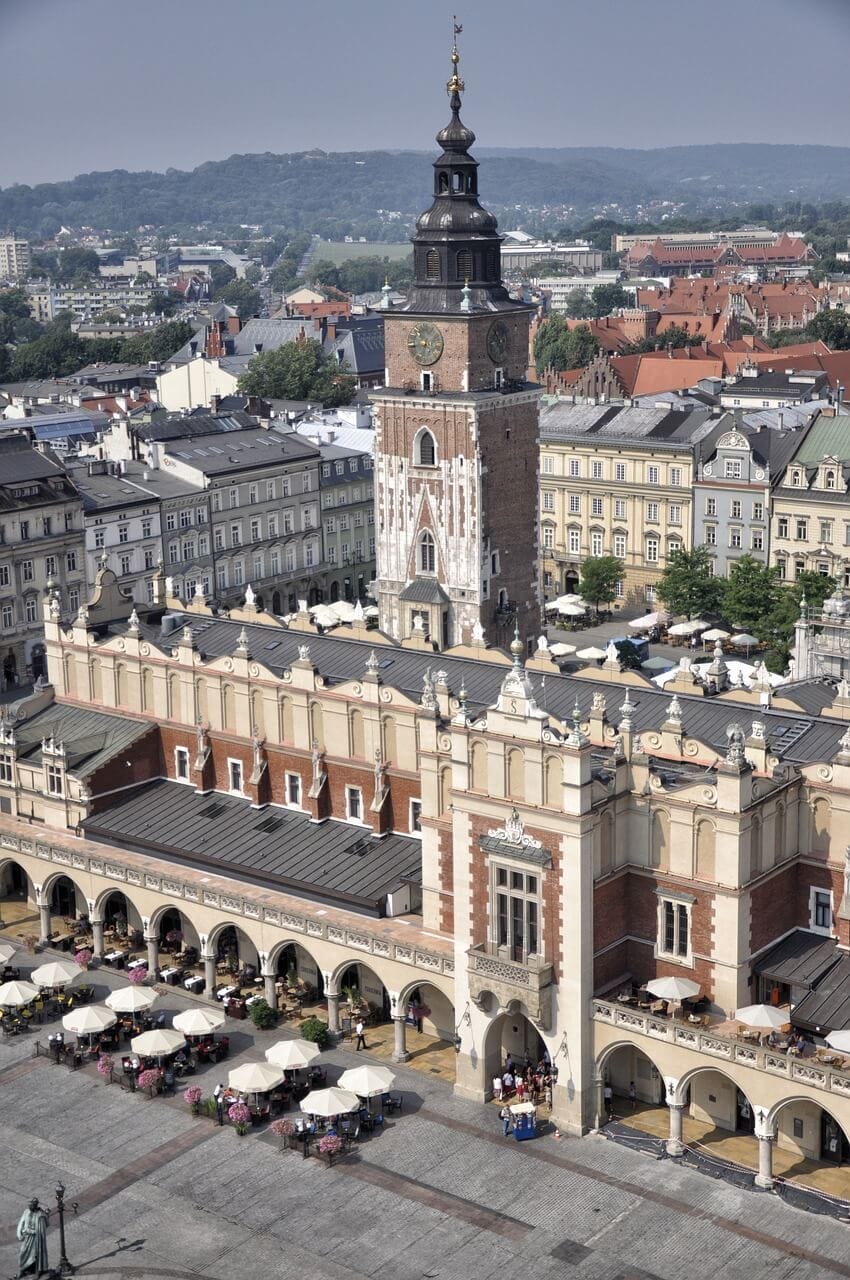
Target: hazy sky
x,y
148,84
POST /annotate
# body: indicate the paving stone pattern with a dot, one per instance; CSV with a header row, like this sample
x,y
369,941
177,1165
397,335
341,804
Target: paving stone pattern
x,y
438,1194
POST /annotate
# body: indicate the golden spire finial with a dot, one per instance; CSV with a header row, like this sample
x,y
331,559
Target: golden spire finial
x,y
455,84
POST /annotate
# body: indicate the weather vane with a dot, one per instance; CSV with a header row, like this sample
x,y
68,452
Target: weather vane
x,y
455,84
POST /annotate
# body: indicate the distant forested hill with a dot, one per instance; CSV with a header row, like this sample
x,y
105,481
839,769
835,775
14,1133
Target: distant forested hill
x,y
334,193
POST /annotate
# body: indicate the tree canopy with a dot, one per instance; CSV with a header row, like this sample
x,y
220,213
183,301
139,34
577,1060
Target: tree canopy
x,y
686,585
752,593
241,295
558,347
599,578
298,371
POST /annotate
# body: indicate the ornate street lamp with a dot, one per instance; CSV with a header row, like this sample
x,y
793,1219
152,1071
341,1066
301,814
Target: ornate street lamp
x,y
65,1267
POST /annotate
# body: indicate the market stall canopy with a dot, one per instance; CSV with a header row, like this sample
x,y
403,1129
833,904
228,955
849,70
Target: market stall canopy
x,y
56,973
198,1022
329,1102
292,1055
688,628
89,1020
131,999
255,1077
368,1081
658,664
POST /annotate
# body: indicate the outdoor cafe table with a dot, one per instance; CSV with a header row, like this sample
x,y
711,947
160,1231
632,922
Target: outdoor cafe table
x,y
171,975
137,964
114,957
224,993
195,983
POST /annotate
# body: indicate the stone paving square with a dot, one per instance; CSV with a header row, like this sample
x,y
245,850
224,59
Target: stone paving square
x,y
438,1195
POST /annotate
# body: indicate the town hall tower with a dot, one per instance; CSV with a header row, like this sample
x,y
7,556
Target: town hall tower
x,y
457,427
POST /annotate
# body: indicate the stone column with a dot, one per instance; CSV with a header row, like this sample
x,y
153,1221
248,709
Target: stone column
x,y
675,1145
152,942
44,923
333,1012
269,980
764,1177
209,976
400,1053
97,939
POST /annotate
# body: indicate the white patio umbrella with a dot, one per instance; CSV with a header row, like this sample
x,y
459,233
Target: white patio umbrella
x,y
343,609
6,952
688,628
324,615
89,1020
198,1022
368,1081
371,611
650,620
763,1016
292,1055
573,610
156,1043
329,1102
130,999
658,664
591,654
839,1040
56,973
745,641
15,994
559,650
716,633
255,1077
675,989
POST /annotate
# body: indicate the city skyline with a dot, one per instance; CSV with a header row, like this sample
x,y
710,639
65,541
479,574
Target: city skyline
x,y
176,92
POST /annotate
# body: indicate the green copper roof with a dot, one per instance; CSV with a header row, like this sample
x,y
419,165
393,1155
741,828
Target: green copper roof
x,y
827,438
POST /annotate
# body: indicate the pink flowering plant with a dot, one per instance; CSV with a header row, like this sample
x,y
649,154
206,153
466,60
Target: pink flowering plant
x,y
138,974
193,1096
330,1145
83,957
149,1079
239,1115
282,1129
104,1065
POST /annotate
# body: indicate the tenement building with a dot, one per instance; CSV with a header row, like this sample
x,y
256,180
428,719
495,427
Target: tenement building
x,y
518,850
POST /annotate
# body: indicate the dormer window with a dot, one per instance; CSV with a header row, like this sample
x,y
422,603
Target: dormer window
x,y
829,480
796,477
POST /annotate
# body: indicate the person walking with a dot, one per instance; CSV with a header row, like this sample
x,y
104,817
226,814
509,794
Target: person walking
x,y
497,1088
505,1117
608,1096
361,1039
632,1094
218,1094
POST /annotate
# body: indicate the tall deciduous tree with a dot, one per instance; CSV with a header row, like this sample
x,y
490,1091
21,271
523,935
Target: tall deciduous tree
x,y
752,594
241,295
559,347
297,371
599,578
686,585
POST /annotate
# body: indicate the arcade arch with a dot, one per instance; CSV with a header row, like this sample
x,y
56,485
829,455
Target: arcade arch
x,y
808,1131
511,1032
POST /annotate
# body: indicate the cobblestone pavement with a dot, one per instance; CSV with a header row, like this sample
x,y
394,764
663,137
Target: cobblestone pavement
x,y
438,1194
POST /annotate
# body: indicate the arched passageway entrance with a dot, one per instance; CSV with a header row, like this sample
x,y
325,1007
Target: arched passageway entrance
x,y
18,910
362,990
811,1146
176,935
511,1034
235,954
65,901
300,973
635,1083
120,918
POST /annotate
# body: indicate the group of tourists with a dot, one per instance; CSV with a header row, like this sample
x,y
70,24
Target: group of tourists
x,y
525,1082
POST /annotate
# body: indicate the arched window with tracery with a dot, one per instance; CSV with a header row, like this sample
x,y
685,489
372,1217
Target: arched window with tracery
x,y
427,552
425,452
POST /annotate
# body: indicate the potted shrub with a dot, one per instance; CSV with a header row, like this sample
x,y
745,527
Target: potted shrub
x,y
240,1117
329,1146
83,958
174,938
150,1079
193,1095
316,1031
104,1066
263,1015
283,1129
352,995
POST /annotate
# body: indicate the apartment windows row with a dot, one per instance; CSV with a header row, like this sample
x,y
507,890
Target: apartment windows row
x,y
262,491
344,497
737,537
653,511
29,609
801,525
788,570
338,467
183,519
343,523
30,568
605,469
736,509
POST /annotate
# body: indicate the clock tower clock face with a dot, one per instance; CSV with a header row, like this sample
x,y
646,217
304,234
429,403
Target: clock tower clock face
x,y
425,343
497,341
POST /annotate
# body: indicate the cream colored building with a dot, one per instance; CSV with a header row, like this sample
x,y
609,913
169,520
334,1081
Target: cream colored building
x,y
15,258
615,481
810,519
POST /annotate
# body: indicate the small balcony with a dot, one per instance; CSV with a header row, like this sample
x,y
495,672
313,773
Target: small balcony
x,y
493,971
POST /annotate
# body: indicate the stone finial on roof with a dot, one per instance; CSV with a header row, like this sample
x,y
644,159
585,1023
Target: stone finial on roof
x,y
250,598
372,664
428,699
242,644
735,754
542,644
612,657
188,636
599,705
843,753
199,590
419,626
627,710
358,612
758,731
675,710
303,653
576,736
133,623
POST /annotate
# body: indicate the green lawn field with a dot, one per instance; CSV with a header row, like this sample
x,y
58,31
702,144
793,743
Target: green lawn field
x,y
337,251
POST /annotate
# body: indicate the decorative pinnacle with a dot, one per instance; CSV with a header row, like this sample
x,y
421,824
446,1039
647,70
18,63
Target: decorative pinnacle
x,y
455,85
516,648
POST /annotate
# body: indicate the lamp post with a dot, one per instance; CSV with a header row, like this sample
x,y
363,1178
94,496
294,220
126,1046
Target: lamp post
x,y
65,1267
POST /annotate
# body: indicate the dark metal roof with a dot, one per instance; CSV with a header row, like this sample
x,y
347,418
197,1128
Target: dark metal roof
x,y
91,738
800,960
801,737
828,1006
334,862
424,591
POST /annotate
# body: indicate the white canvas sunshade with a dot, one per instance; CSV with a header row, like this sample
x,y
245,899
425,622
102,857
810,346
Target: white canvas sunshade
x,y
329,1102
198,1022
650,620
367,1081
89,1020
763,1016
130,999
154,1044
14,994
559,650
56,973
591,653
255,1077
839,1040
6,952
716,633
292,1055
673,988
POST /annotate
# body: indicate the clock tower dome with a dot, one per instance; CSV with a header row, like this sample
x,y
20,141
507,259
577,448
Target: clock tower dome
x,y
457,427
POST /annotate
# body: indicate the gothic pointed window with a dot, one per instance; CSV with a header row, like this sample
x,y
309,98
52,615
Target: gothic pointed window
x,y
432,265
425,454
427,553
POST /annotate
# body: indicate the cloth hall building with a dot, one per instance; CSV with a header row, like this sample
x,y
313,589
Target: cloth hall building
x,y
419,812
